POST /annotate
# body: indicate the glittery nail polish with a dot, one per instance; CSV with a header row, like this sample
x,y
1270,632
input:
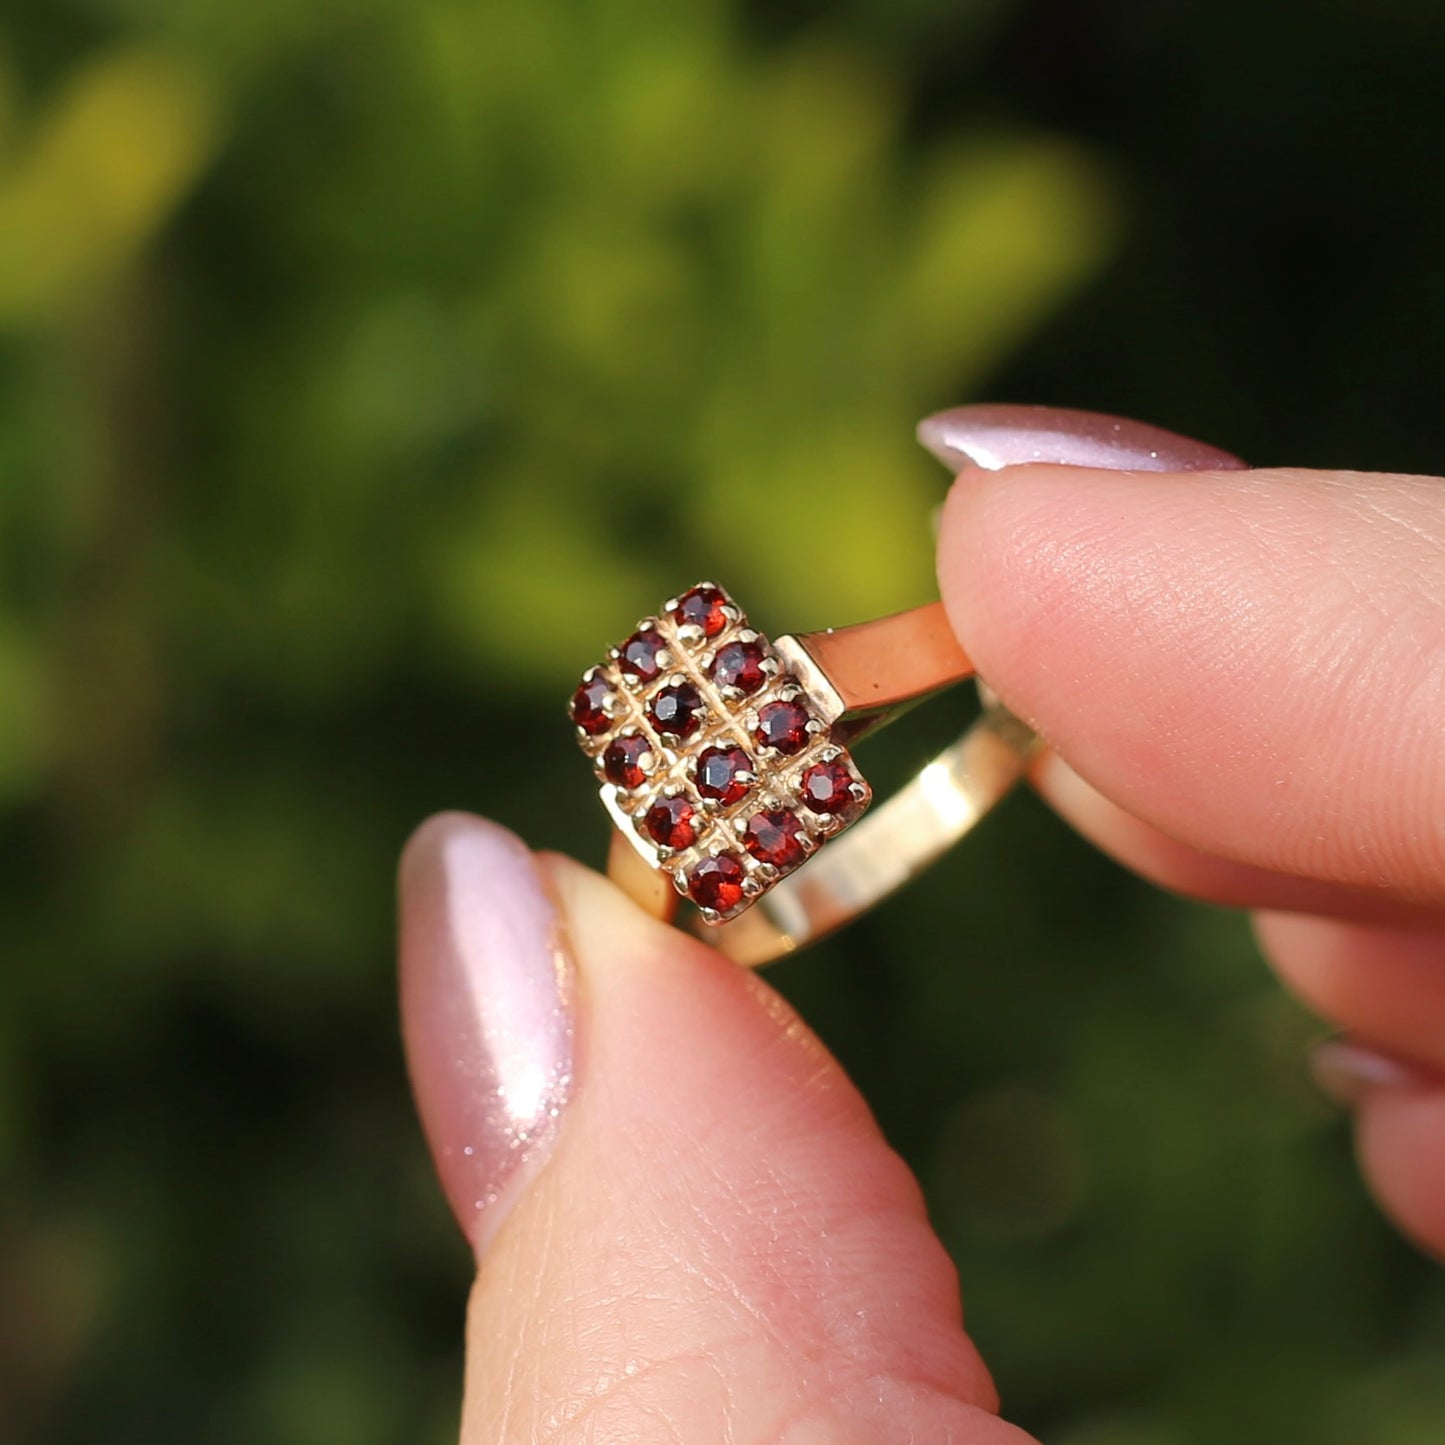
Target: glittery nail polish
x,y
1349,1071
486,1002
997,436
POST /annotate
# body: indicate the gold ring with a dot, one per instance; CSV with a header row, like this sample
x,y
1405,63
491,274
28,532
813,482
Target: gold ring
x,y
725,762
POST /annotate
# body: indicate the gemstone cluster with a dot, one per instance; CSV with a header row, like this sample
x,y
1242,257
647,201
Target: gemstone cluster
x,y
710,755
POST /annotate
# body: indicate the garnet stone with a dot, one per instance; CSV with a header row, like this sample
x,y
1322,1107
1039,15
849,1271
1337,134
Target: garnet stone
x,y
622,762
740,665
677,710
717,883
720,774
703,607
641,655
669,822
784,726
776,838
589,705
827,787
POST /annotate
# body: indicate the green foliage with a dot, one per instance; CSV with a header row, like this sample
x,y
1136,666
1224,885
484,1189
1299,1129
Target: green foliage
x,y
365,366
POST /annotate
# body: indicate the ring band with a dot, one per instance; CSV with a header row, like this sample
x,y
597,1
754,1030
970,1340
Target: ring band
x,y
725,763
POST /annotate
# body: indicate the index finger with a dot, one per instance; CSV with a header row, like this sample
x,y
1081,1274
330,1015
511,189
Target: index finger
x,y
1251,662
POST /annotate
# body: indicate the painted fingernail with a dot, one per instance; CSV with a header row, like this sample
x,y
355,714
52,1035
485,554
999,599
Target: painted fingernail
x,y
486,1008
994,437
1349,1071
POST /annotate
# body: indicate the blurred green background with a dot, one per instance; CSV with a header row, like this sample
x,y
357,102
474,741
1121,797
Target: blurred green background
x,y
347,347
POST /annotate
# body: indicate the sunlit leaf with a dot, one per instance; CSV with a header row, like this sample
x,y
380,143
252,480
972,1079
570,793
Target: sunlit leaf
x,y
109,159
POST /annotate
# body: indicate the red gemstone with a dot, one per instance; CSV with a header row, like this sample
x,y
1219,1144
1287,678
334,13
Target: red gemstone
x,y
622,762
740,665
784,726
641,654
717,883
669,823
720,774
589,705
703,607
677,710
827,787
776,838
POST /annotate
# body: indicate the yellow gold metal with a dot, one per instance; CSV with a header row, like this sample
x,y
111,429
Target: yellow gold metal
x,y
894,843
875,668
849,680
647,886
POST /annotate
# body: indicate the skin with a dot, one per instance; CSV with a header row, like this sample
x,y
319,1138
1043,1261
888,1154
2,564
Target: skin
x,y
1242,675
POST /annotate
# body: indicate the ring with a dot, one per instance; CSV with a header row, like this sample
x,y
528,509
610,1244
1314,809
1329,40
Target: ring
x,y
725,761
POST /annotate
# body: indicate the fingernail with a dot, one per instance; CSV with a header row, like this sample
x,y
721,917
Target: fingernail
x,y
1349,1071
994,437
486,1008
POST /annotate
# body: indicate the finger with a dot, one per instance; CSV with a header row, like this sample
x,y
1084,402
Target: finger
x,y
1386,986
1399,1131
1164,860
1400,1135
994,437
1249,661
689,1225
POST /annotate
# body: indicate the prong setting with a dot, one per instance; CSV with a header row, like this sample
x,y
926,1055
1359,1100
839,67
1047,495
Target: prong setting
x,y
709,752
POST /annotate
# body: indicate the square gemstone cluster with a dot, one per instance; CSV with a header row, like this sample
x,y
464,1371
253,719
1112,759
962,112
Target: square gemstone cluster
x,y
711,759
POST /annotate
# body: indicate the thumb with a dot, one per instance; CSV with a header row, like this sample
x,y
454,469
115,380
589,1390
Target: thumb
x,y
688,1223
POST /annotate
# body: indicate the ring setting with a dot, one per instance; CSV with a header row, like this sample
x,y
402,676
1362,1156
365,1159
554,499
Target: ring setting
x,y
715,752
725,761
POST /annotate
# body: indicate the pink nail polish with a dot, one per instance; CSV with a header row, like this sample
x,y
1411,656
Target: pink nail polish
x,y
486,1007
993,437
1349,1071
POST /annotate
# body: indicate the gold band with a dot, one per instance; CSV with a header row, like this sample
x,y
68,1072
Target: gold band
x,y
649,738
894,843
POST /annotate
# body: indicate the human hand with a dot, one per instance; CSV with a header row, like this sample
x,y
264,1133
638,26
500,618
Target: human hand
x,y
690,1228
